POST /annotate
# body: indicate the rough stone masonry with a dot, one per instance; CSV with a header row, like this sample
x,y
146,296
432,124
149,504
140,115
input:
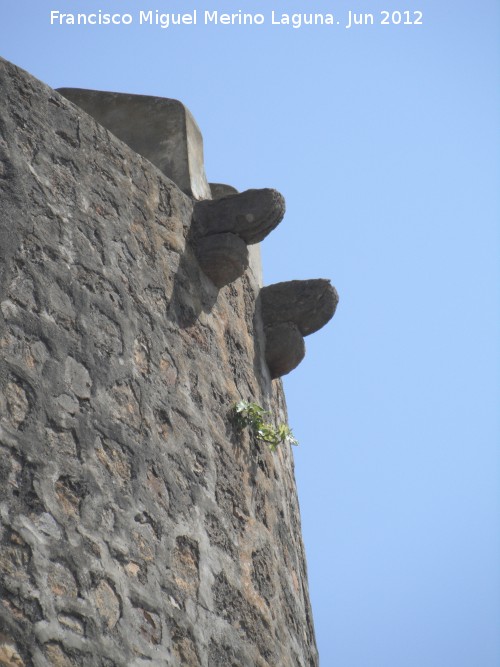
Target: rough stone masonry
x,y
137,529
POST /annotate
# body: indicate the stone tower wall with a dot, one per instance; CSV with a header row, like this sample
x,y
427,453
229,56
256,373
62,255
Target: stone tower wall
x,y
136,528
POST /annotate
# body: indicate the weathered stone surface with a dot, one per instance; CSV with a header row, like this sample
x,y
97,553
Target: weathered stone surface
x,y
9,657
107,604
135,528
160,129
222,257
251,215
219,190
285,348
309,304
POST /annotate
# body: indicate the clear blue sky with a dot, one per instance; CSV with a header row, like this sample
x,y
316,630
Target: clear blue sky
x,y
385,142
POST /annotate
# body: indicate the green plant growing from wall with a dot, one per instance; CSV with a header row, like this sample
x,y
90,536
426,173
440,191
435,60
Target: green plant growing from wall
x,y
245,414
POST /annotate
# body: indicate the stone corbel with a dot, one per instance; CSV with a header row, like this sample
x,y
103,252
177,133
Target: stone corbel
x,y
290,311
222,229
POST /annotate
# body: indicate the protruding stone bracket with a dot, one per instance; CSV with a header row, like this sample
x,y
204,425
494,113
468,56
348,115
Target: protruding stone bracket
x,y
160,129
291,310
234,220
251,215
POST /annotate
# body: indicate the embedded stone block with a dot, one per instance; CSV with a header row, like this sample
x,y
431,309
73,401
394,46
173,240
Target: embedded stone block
x,y
8,653
160,129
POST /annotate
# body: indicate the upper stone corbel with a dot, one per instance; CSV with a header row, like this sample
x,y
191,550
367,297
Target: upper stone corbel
x,y
251,215
160,129
309,304
222,228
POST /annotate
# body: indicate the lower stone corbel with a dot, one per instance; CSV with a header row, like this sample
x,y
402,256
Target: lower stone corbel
x,y
291,310
285,348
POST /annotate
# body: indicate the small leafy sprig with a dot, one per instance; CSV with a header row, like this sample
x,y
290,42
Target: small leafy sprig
x,y
251,415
